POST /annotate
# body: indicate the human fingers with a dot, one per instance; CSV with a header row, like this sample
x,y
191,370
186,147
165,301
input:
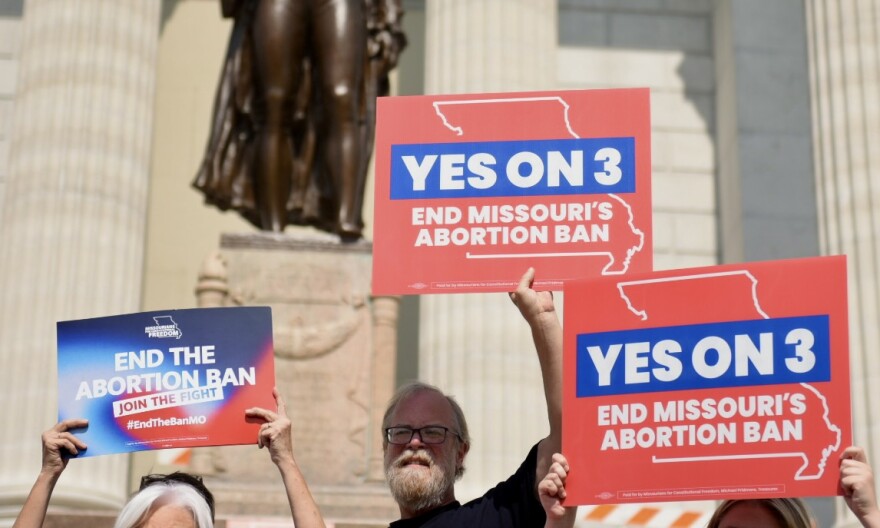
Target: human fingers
x,y
68,424
276,437
560,459
268,417
524,285
263,436
267,434
58,444
58,436
853,472
854,466
54,443
526,281
857,484
69,443
279,401
854,453
72,442
856,480
548,488
559,467
555,485
259,412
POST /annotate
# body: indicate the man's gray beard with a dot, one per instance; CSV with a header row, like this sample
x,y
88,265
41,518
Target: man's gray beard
x,y
413,489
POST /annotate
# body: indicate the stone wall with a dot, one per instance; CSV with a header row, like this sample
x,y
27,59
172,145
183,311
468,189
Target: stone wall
x,y
667,46
10,32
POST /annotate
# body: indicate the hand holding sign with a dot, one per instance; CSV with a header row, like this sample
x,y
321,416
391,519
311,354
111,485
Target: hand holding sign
x,y
58,445
58,442
276,435
275,432
532,304
857,483
551,491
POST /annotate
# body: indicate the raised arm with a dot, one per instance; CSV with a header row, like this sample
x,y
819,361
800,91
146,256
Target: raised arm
x,y
857,482
275,434
56,442
551,491
538,310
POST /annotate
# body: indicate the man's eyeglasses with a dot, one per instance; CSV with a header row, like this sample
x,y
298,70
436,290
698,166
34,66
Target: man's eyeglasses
x,y
430,434
194,481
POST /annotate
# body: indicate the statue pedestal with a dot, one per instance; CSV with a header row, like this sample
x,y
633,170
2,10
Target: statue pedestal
x,y
335,355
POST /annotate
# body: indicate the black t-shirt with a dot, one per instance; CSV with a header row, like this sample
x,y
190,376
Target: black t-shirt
x,y
511,504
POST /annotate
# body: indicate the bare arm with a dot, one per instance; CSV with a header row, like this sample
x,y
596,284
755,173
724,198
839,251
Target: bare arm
x,y
857,482
275,434
56,441
551,491
538,310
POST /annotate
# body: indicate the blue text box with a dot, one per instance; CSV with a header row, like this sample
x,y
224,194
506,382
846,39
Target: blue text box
x,y
760,352
513,168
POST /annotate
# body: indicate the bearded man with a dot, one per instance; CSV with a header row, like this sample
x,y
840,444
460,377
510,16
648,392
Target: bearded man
x,y
426,440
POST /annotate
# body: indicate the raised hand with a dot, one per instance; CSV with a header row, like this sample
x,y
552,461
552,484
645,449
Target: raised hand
x,y
857,482
58,442
275,433
551,492
532,304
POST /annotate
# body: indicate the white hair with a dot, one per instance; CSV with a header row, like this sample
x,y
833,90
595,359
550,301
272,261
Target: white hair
x,y
169,493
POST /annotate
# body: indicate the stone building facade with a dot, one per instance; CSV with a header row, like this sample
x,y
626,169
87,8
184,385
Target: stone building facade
x,y
762,119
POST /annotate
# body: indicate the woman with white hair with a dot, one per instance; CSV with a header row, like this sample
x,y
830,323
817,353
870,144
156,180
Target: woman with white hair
x,y
176,500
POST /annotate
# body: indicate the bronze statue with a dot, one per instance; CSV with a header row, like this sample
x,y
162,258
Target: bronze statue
x,y
294,113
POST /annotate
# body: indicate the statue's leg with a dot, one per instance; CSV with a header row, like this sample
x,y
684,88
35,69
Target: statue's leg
x,y
340,37
278,35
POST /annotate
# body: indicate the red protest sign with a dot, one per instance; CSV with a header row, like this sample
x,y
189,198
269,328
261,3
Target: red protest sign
x,y
467,186
707,383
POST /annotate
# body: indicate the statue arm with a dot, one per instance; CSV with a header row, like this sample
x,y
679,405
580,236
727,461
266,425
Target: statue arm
x,y
385,29
230,8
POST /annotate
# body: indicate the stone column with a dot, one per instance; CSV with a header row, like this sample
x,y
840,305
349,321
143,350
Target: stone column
x,y
490,45
844,45
73,217
766,199
386,314
10,30
477,347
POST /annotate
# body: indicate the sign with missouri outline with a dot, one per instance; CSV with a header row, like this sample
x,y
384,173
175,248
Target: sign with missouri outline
x,y
707,383
470,186
167,379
